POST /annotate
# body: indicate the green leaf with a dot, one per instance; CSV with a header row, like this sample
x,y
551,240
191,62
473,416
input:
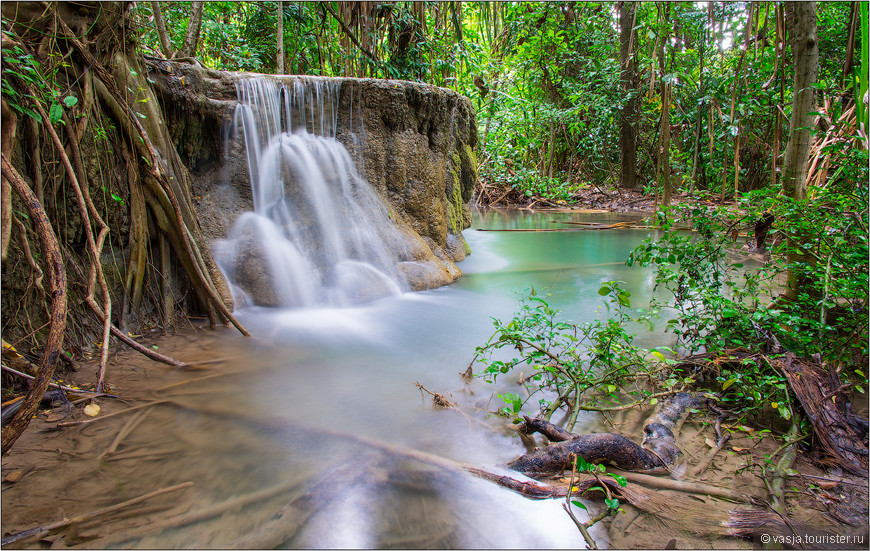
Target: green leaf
x,y
623,299
578,504
604,290
728,383
621,480
582,465
55,113
612,503
69,101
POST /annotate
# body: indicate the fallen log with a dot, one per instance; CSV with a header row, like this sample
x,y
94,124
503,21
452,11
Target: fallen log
x,y
658,454
822,397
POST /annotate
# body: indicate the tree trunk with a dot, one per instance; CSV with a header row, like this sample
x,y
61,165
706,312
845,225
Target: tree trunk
x,y
665,134
665,154
280,60
628,114
10,123
191,38
801,17
162,35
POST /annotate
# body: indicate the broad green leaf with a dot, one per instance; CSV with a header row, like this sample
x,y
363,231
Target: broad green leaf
x,y
55,113
621,480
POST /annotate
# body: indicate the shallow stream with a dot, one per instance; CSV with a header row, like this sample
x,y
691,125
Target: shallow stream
x,y
269,413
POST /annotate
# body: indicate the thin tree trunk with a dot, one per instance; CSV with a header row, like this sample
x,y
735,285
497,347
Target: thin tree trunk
x,y
280,60
191,38
665,154
850,45
162,35
628,114
697,145
665,134
10,123
737,77
802,16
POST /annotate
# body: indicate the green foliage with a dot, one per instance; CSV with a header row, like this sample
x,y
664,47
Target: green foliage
x,y
810,297
589,366
26,80
583,466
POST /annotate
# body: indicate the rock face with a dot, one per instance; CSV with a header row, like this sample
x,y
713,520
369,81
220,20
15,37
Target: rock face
x,y
413,142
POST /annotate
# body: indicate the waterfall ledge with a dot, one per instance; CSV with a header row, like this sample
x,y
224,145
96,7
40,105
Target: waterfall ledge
x,y
414,143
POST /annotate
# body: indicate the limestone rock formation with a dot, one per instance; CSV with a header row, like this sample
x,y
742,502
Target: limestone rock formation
x,y
413,142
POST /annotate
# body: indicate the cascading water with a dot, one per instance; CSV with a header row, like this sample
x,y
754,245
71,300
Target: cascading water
x,y
318,235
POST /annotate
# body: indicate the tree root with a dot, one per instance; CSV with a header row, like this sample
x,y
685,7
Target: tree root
x,y
57,326
233,504
658,454
95,246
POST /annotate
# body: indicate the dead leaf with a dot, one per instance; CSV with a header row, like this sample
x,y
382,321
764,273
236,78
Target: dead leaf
x,y
53,417
92,410
14,476
735,448
709,442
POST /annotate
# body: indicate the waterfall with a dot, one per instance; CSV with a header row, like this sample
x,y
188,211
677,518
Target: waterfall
x,y
318,235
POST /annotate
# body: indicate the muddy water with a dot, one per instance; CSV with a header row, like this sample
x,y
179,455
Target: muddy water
x,y
275,410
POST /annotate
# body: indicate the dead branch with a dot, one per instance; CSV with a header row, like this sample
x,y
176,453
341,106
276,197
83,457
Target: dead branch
x,y
200,515
438,398
663,483
658,454
71,390
128,427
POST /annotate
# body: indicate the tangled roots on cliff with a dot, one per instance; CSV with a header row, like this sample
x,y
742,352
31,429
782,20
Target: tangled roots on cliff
x,y
86,151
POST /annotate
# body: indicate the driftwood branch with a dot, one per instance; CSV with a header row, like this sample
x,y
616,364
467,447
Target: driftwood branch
x,y
658,454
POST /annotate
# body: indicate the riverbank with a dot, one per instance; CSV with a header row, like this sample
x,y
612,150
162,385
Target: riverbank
x,y
68,464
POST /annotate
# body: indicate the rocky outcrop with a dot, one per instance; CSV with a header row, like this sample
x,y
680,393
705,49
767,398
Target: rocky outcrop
x,y
413,142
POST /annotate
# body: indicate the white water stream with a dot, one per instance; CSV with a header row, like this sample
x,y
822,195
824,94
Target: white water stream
x,y
318,234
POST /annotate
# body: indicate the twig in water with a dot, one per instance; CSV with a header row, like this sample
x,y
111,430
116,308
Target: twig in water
x,y
125,431
439,399
134,408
